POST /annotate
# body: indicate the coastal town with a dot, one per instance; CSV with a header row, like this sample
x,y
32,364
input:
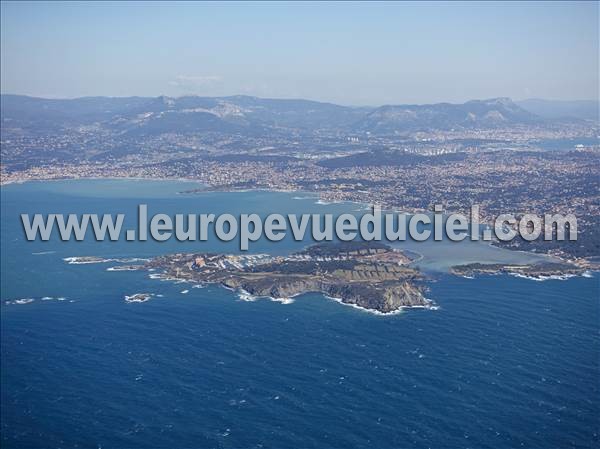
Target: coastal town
x,y
526,166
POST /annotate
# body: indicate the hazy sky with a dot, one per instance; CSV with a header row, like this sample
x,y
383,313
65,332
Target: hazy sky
x,y
349,53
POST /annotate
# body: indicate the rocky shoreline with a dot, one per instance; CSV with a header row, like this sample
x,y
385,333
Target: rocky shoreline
x,y
537,271
368,275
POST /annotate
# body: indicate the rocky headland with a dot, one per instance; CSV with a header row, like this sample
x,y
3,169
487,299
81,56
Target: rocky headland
x,y
369,275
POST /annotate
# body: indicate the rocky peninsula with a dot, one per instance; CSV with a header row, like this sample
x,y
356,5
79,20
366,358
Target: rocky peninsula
x,y
369,275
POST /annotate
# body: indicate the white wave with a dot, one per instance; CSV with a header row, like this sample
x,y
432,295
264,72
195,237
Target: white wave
x,y
198,286
398,311
30,300
245,296
51,298
555,277
282,300
84,260
43,253
184,292
362,309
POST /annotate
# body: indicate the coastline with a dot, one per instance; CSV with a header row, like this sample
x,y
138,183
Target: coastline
x,y
582,263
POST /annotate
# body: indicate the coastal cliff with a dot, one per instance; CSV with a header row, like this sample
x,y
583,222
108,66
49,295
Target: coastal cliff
x,y
385,298
368,275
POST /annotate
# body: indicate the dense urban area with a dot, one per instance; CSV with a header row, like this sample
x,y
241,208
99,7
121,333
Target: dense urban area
x,y
492,153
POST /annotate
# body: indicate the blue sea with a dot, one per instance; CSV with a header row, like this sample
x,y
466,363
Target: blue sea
x,y
503,363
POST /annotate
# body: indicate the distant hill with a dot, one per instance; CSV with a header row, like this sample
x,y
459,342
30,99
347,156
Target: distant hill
x,y
554,109
245,115
472,114
158,115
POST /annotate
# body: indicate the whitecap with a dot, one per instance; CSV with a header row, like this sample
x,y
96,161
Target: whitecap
x,y
84,260
282,300
555,277
245,296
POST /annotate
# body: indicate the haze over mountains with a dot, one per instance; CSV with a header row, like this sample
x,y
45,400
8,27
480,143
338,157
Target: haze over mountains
x,y
245,115
557,109
472,114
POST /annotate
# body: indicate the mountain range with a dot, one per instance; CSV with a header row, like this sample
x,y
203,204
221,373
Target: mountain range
x,y
245,115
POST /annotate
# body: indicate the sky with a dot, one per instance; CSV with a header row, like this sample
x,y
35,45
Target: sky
x,y
346,53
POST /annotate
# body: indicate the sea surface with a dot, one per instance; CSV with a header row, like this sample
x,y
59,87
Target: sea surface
x,y
503,363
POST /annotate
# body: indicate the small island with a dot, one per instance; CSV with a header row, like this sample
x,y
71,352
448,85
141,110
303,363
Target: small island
x,y
138,297
369,275
538,271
